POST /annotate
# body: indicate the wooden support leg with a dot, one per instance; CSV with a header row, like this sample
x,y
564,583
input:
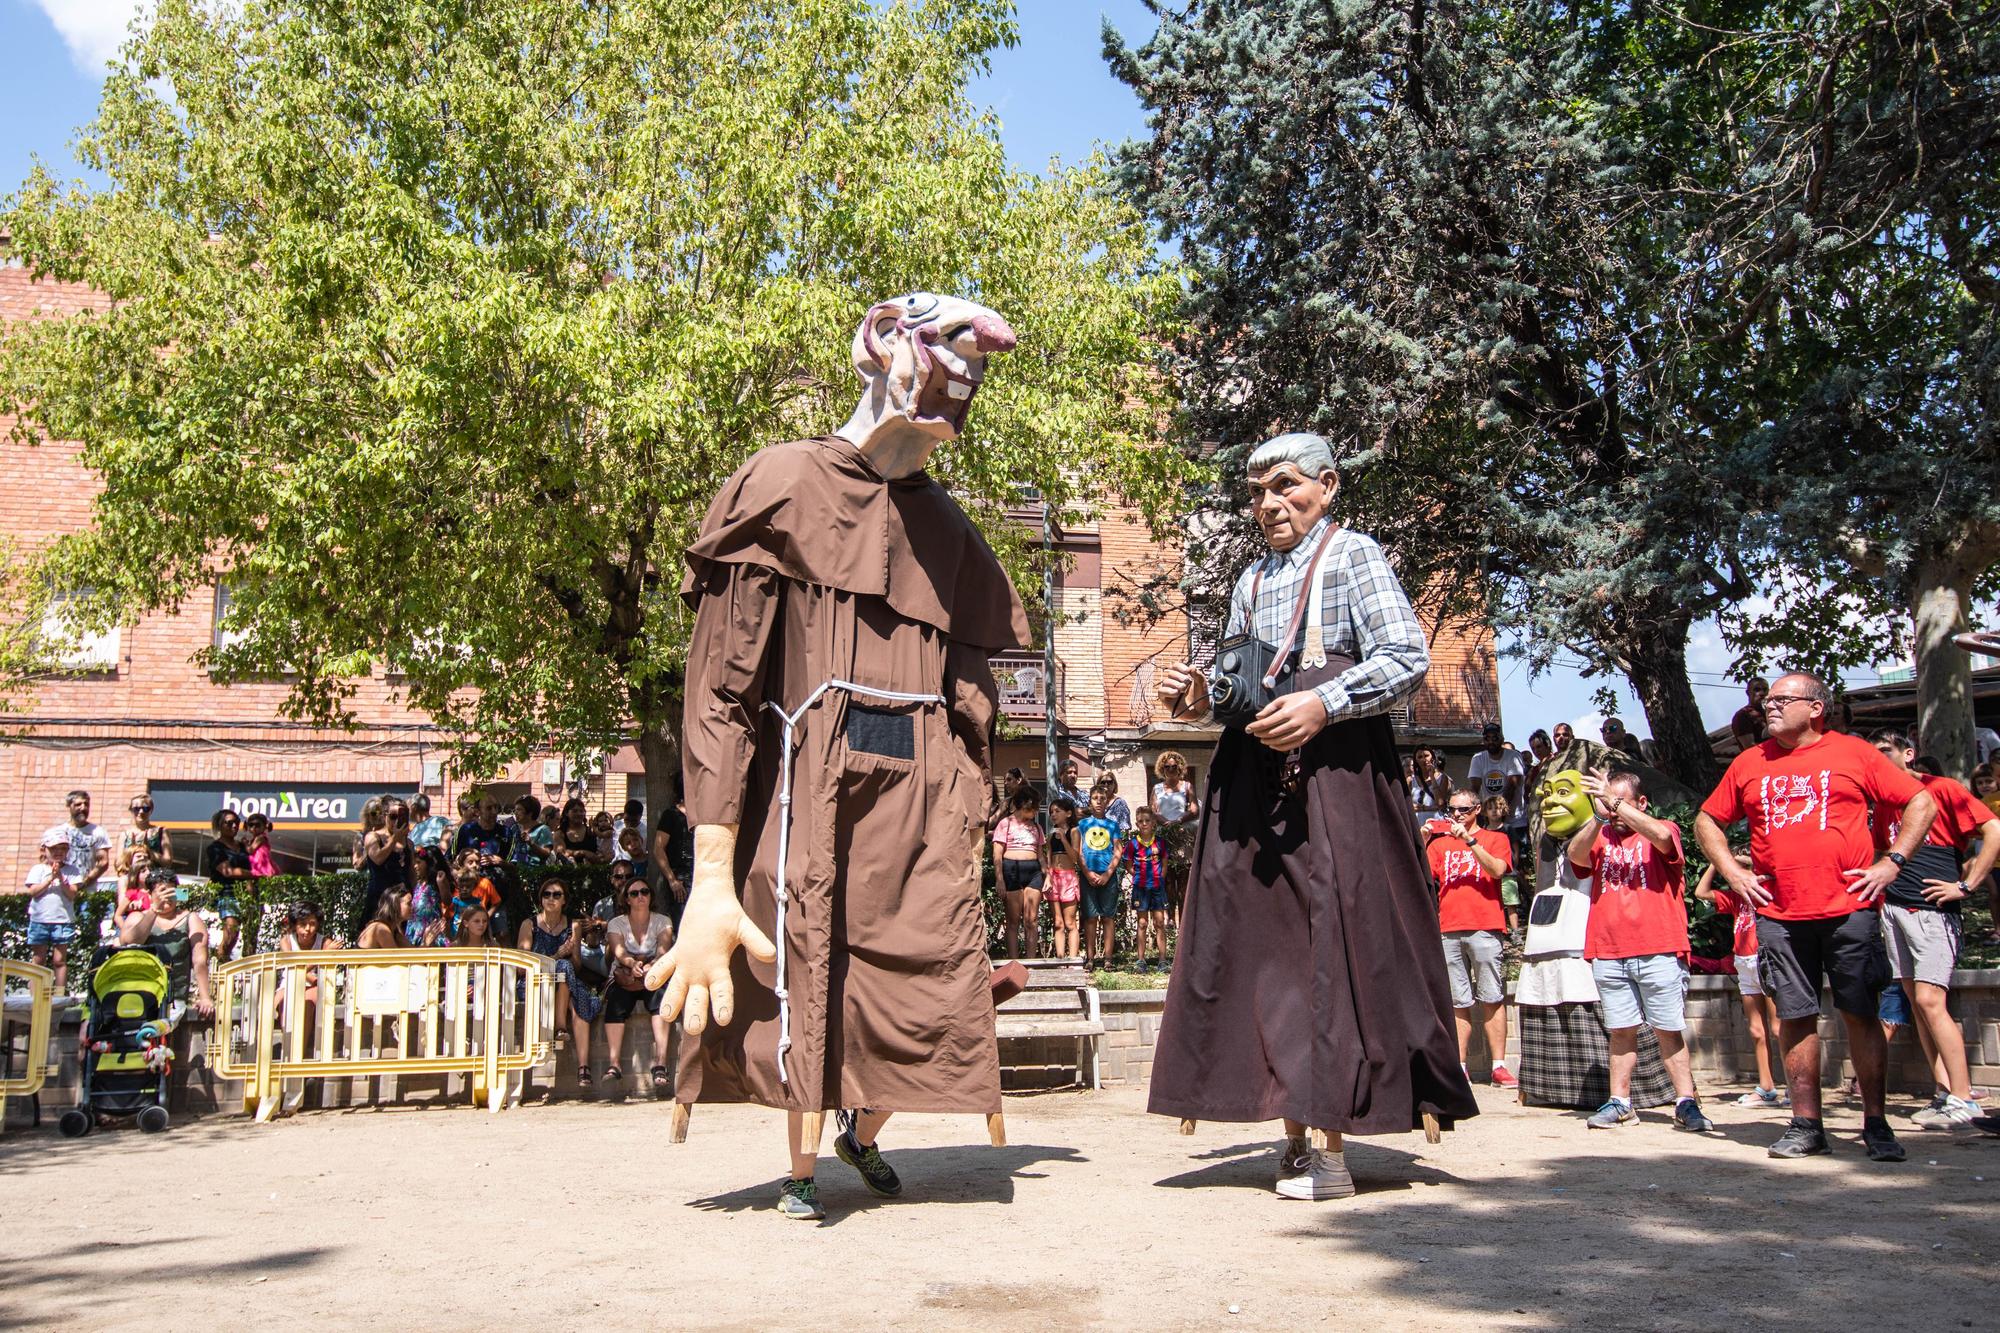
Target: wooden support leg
x,y
1433,1133
677,1131
1187,1126
810,1129
996,1129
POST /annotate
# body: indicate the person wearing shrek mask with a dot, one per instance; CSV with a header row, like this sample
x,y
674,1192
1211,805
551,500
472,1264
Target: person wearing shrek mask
x,y
837,743
1565,1048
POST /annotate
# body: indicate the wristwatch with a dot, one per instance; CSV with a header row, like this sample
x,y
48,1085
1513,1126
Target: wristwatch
x,y
1898,858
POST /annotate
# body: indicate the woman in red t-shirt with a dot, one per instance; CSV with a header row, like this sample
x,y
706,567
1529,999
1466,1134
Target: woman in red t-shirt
x,y
1760,1016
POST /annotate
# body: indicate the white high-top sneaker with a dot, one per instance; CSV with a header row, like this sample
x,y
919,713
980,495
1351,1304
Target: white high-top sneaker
x,y
1323,1175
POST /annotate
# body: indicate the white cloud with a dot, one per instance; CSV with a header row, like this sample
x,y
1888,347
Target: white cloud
x,y
92,29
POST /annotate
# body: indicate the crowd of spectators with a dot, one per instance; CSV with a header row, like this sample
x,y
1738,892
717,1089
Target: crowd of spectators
x,y
1860,856
1109,874
427,881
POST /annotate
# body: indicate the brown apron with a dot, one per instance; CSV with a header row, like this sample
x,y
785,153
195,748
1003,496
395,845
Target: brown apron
x,y
1309,981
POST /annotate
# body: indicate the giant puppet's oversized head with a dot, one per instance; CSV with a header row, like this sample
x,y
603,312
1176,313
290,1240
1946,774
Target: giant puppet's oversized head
x,y
1566,806
921,358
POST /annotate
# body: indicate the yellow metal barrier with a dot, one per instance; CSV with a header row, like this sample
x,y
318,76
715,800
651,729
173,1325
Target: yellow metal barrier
x,y
40,984
488,1014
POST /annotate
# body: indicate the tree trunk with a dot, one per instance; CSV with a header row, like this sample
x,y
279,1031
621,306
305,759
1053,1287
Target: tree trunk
x,y
1941,595
660,751
1659,676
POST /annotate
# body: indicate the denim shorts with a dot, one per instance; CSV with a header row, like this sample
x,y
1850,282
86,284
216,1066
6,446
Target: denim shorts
x,y
1892,1006
1100,900
1475,962
1649,991
44,934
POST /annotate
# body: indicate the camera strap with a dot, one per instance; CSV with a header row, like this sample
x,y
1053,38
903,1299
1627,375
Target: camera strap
x,y
1298,611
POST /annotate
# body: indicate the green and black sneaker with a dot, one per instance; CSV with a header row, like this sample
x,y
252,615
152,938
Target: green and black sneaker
x,y
875,1173
800,1199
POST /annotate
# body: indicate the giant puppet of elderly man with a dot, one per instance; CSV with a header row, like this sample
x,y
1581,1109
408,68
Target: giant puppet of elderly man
x,y
1310,982
837,744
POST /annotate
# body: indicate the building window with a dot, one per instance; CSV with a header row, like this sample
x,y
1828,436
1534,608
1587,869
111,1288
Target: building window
x,y
70,649
225,637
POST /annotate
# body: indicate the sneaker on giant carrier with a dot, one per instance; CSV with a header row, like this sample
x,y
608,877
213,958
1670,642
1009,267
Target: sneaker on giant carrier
x,y
800,1199
877,1174
1323,1176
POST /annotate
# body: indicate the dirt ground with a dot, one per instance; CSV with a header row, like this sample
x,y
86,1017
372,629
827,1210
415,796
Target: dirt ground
x,y
1095,1215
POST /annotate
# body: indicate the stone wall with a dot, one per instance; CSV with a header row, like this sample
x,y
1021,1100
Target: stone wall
x,y
1717,1033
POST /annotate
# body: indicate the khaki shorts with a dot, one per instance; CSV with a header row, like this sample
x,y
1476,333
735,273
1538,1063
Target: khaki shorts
x,y
1922,945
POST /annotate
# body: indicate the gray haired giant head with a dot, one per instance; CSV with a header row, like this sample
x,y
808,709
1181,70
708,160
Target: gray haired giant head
x,y
1310,453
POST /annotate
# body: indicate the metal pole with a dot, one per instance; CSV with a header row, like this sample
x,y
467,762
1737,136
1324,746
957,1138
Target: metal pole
x,y
1049,764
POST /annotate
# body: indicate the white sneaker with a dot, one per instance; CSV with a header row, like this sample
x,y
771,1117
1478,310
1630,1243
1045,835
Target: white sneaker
x,y
1958,1113
1324,1177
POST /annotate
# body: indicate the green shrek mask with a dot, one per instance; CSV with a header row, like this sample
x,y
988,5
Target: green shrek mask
x,y
1565,805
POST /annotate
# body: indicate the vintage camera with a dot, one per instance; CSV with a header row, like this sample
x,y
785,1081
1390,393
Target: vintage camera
x,y
1236,683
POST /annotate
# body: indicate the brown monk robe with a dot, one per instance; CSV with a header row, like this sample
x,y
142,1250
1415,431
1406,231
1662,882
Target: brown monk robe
x,y
811,568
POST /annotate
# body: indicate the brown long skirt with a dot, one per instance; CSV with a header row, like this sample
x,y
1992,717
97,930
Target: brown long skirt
x,y
1309,982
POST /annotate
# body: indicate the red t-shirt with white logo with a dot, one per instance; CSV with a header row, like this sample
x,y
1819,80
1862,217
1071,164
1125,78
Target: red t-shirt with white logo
x,y
1808,813
1468,897
1744,943
1637,896
1959,817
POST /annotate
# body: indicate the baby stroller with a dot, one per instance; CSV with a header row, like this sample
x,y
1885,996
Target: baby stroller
x,y
127,1059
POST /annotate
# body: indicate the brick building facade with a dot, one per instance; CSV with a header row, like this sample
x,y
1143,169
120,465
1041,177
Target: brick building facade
x,y
130,712
1107,650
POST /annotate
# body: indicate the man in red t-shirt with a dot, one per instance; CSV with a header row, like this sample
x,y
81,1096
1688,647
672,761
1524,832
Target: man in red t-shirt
x,y
1467,862
1815,882
1921,913
1637,940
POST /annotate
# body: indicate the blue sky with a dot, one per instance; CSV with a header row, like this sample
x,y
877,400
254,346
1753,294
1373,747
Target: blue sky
x,y
1052,94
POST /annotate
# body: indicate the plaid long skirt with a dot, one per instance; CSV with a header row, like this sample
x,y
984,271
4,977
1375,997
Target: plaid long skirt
x,y
1566,1060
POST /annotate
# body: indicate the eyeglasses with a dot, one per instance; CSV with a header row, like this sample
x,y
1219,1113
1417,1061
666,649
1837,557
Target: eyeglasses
x,y
547,894
145,809
640,893
1778,701
1463,809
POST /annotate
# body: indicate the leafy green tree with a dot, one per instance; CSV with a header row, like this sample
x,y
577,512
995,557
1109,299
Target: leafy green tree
x,y
436,325
1428,231
1865,240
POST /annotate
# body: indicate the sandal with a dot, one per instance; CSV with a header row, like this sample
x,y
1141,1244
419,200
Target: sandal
x,y
583,1076
613,1074
661,1087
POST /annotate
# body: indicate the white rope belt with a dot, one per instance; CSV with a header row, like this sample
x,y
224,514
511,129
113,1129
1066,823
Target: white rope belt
x,y
790,722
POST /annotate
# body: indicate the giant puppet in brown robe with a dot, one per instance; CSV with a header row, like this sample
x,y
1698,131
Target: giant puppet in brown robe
x,y
844,603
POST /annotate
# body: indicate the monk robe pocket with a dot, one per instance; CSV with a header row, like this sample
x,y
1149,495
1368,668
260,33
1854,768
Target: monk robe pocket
x,y
880,732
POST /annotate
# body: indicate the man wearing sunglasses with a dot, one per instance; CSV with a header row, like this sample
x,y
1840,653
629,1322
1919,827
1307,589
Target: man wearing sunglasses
x,y
1467,862
1817,883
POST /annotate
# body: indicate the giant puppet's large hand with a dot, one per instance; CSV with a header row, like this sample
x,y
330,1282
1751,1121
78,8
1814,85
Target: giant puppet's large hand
x,y
695,970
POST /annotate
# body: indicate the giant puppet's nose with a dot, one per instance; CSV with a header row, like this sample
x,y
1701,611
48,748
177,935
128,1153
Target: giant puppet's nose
x,y
994,334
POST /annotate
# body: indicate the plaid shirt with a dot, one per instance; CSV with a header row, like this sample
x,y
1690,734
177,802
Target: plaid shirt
x,y
1367,618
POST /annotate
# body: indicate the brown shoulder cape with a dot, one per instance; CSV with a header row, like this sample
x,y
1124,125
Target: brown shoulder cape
x,y
816,511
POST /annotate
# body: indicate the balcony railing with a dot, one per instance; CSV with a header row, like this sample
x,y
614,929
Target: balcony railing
x,y
1025,688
